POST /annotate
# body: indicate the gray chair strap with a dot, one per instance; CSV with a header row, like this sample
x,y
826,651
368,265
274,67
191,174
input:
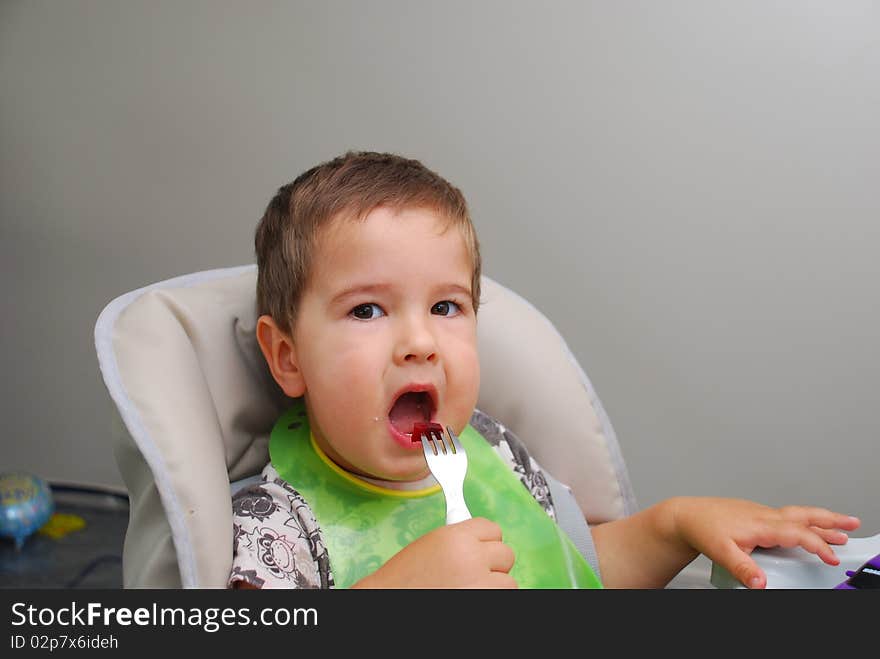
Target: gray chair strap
x,y
571,519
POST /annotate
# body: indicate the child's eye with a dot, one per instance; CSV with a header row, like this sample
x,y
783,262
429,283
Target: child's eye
x,y
367,311
446,308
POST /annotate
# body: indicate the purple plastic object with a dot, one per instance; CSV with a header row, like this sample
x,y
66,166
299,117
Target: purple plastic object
x,y
865,578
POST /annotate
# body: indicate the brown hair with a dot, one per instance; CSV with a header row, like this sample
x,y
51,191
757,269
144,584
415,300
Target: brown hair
x,y
352,185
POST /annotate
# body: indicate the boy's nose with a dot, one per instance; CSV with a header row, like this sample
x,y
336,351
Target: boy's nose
x,y
416,342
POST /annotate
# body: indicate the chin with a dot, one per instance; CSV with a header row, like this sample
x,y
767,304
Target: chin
x,y
415,477
404,475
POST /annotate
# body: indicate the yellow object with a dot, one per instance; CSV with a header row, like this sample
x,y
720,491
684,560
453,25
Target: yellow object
x,y
60,524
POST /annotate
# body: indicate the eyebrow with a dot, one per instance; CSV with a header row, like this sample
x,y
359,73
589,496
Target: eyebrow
x,y
360,289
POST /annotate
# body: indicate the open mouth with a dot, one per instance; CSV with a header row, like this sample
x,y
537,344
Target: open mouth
x,y
411,407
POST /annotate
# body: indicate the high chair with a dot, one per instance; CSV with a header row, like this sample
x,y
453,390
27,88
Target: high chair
x,y
196,403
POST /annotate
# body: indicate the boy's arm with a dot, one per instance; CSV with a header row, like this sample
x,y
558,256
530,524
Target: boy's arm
x,y
642,550
647,549
269,516
469,554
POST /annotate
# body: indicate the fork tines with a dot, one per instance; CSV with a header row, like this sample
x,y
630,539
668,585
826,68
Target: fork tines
x,y
433,434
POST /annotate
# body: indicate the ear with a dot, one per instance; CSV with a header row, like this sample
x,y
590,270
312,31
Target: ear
x,y
280,354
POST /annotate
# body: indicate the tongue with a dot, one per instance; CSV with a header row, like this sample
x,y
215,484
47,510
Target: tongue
x,y
409,409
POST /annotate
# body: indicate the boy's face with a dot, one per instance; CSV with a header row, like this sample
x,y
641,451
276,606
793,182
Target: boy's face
x,y
387,311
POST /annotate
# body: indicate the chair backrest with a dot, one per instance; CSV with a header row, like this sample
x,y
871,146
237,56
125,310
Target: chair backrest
x,y
196,403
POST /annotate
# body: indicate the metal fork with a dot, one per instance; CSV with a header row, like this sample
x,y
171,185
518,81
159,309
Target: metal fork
x,y
448,462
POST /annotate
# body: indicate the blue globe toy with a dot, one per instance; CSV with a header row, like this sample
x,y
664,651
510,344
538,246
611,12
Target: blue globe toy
x,y
25,505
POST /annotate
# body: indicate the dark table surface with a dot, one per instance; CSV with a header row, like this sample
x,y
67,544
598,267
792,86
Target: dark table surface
x,y
90,557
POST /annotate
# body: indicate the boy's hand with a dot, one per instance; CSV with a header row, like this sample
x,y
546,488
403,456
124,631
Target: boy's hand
x,y
469,554
728,530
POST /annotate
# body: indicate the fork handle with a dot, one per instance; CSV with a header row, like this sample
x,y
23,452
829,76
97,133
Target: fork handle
x,y
456,510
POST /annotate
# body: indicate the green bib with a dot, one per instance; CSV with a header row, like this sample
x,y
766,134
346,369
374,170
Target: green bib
x,y
364,525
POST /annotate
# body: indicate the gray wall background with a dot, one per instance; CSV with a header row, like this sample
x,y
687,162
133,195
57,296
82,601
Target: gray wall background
x,y
689,190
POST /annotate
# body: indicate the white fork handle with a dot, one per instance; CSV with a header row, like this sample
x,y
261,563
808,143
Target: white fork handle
x,y
456,509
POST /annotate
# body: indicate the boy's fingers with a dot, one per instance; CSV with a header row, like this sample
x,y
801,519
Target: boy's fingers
x,y
793,536
499,556
482,528
820,517
741,566
501,580
831,536
744,568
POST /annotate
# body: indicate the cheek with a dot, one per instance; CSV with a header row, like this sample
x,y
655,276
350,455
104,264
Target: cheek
x,y
344,376
339,356
358,365
464,380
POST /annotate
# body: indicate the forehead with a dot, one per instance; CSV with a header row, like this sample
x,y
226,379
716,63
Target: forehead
x,y
410,219
391,242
